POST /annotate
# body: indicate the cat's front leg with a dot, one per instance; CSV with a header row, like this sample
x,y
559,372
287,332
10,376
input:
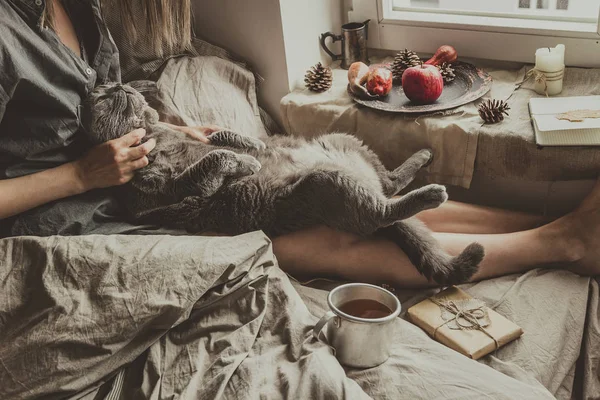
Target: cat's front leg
x,y
240,165
231,139
208,174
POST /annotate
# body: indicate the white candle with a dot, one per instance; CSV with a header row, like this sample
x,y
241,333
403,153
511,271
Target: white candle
x,y
551,62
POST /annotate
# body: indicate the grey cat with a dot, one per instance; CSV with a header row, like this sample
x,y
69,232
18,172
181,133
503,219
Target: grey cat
x,y
239,184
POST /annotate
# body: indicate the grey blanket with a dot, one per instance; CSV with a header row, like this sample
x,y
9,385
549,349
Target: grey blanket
x,y
210,318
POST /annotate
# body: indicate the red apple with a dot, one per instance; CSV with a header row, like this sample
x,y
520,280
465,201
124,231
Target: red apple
x,y
422,84
379,81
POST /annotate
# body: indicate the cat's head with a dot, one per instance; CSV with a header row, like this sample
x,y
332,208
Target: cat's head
x,y
114,109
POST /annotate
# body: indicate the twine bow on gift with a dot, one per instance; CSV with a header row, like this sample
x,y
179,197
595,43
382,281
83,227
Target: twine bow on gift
x,y
464,315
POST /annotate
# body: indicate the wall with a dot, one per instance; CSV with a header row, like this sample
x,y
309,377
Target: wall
x,y
278,38
252,30
303,23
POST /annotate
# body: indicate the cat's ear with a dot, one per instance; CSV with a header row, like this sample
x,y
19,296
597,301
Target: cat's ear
x,y
146,88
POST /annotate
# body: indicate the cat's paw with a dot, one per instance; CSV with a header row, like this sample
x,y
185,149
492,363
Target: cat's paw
x,y
246,165
425,157
461,268
432,196
257,144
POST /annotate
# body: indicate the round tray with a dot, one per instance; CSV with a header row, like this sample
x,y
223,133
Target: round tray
x,y
469,84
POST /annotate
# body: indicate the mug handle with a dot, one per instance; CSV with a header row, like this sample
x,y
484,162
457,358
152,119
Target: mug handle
x,y
335,38
321,324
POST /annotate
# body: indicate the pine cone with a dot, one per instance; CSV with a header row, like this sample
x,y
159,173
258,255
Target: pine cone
x,y
447,72
403,60
492,111
318,78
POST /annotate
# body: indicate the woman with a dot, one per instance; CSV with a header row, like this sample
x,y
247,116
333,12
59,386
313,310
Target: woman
x,y
46,188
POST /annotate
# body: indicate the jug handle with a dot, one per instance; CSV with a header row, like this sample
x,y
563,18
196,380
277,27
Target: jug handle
x,y
366,23
335,38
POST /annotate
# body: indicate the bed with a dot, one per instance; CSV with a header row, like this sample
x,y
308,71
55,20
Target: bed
x,y
200,317
192,317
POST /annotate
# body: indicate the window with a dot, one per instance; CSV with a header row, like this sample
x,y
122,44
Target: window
x,y
509,30
565,16
561,10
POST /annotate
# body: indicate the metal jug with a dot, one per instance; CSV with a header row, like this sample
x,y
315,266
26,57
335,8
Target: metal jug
x,y
354,43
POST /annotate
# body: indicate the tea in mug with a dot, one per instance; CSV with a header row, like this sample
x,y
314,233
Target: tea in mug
x,y
365,308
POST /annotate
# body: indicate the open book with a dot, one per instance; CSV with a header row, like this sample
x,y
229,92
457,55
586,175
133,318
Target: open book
x,y
552,131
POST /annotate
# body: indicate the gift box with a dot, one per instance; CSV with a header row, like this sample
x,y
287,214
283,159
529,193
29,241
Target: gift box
x,y
463,323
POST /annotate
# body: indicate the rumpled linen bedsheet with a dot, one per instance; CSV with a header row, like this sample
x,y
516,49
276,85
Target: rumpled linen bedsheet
x,y
194,317
560,349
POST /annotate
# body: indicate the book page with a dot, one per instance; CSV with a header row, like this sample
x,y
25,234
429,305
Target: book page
x,y
544,111
551,123
559,105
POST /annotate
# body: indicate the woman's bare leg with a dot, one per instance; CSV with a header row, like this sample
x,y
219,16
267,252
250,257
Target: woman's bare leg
x,y
456,217
573,240
323,252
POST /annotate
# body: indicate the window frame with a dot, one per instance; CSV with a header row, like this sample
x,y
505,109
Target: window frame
x,y
506,39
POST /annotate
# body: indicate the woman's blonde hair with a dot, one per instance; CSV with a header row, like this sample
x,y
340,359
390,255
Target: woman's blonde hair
x,y
48,15
168,22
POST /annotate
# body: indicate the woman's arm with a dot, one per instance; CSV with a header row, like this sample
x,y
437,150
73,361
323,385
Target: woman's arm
x,y
197,132
109,164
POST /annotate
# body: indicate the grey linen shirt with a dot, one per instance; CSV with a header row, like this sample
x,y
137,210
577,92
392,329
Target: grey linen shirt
x,y
42,85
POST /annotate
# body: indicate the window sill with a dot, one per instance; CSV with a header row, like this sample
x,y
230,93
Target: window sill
x,y
502,46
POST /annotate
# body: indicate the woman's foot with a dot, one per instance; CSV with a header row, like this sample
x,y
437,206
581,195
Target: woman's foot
x,y
580,234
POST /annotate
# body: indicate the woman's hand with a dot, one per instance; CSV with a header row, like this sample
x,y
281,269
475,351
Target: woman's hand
x,y
114,162
198,132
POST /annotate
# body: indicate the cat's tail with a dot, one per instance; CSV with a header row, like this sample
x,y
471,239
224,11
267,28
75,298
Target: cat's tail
x,y
429,258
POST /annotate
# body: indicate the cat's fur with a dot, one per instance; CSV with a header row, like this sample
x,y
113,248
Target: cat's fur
x,y
240,184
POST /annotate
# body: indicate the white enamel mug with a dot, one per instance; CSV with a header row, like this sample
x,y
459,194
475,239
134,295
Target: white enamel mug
x,y
359,342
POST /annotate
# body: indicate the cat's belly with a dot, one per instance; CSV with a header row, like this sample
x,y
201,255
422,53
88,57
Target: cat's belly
x,y
285,163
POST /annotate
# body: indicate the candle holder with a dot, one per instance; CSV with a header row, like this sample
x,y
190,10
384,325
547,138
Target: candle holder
x,y
549,83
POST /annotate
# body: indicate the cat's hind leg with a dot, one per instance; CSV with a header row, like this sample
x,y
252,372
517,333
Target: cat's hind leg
x,y
394,181
335,199
419,245
415,201
332,198
429,258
